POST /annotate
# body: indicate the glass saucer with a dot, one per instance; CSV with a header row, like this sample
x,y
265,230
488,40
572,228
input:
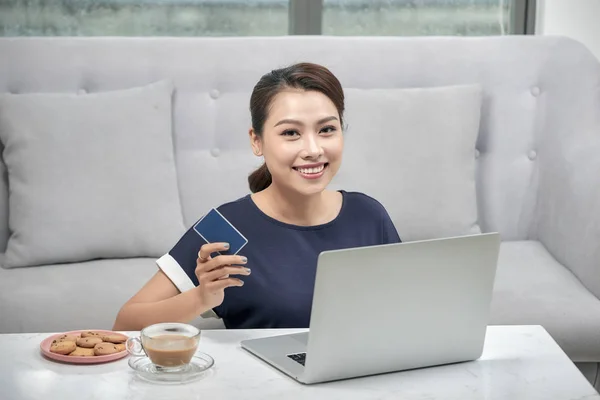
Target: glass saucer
x,y
146,370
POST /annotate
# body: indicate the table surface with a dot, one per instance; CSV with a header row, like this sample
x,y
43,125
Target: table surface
x,y
518,362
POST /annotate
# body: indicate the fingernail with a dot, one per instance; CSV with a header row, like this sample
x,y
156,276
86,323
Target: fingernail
x,y
226,245
248,270
242,283
244,260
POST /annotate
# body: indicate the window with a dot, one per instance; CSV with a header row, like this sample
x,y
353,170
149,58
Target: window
x,y
416,17
264,17
143,17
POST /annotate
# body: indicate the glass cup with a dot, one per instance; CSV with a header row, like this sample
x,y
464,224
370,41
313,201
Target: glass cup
x,y
170,346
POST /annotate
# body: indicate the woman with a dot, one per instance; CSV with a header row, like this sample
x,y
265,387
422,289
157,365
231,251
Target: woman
x,y
290,217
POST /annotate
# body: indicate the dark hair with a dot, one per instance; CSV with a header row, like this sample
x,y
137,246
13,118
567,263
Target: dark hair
x,y
306,76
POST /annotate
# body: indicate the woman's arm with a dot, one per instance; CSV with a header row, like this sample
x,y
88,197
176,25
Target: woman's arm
x,y
159,301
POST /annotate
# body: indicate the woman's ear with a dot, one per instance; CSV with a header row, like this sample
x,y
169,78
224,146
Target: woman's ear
x,y
255,142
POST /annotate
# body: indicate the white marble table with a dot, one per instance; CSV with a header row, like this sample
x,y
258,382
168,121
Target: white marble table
x,y
519,362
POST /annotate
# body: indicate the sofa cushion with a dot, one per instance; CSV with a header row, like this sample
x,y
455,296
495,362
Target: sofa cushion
x,y
414,151
90,176
62,297
532,288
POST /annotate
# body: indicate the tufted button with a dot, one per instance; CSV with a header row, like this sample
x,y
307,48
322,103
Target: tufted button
x,y
535,91
82,91
477,153
215,152
13,91
532,155
214,94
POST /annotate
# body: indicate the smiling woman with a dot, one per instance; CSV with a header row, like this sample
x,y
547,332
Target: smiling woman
x,y
316,169
297,115
288,220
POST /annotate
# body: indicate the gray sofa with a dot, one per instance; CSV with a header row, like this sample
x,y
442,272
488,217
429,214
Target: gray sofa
x,y
536,162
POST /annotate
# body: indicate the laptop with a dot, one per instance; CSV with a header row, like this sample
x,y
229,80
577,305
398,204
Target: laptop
x,y
388,308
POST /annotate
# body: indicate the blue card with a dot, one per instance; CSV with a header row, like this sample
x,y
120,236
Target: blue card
x,y
214,227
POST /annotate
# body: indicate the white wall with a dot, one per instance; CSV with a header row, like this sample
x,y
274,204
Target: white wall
x,y
579,19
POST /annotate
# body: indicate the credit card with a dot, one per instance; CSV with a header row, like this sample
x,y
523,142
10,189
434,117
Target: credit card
x,y
214,227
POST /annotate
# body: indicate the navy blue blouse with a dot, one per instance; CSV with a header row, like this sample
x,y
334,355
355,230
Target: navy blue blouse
x,y
283,259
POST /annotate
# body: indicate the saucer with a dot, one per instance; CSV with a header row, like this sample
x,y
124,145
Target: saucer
x,y
146,370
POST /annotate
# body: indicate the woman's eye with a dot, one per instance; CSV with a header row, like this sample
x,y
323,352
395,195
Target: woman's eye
x,y
328,129
289,133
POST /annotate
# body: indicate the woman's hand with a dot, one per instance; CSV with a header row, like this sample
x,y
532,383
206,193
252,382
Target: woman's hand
x,y
214,273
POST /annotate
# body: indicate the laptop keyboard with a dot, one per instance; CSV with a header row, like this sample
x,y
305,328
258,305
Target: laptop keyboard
x,y
300,358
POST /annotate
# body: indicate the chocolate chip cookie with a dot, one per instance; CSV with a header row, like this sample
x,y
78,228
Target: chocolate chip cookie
x,y
63,348
104,349
90,334
83,352
88,342
114,338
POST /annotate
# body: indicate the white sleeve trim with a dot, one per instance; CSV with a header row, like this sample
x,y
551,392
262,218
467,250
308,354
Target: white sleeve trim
x,y
177,275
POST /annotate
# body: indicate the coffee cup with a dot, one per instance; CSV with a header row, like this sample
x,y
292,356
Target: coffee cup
x,y
170,346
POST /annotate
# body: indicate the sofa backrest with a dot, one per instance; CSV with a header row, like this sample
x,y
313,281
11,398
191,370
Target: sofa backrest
x,y
524,79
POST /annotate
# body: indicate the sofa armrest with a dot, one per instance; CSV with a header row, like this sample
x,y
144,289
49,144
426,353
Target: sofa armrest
x,y
568,212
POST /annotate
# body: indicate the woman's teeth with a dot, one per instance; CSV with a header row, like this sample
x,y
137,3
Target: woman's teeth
x,y
314,170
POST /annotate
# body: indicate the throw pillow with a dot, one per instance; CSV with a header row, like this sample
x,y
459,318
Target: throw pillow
x,y
90,176
414,150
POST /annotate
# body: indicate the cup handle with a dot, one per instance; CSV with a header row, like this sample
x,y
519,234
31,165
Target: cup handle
x,y
134,347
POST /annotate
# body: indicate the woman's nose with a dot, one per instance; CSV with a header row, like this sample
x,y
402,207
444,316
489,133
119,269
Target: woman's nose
x,y
312,146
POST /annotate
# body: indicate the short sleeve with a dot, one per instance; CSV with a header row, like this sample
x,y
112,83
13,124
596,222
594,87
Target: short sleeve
x,y
389,234
179,264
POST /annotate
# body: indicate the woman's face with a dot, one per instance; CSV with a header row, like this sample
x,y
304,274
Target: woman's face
x,y
302,141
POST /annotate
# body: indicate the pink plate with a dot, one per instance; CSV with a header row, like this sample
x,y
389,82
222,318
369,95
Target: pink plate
x,y
45,349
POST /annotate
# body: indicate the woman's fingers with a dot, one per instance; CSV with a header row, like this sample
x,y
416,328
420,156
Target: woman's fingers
x,y
209,248
225,283
211,271
221,273
220,261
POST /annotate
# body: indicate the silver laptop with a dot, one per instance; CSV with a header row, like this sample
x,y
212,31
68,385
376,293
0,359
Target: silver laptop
x,y
389,308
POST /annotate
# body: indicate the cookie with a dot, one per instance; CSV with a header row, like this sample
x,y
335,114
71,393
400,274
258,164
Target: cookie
x,y
82,352
88,342
91,334
66,338
115,338
104,349
63,348
121,347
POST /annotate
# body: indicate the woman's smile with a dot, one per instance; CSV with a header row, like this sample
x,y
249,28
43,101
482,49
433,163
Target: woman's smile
x,y
311,171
